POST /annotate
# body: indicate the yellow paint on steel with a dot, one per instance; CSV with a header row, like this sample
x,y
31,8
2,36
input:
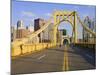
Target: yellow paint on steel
x,y
58,17
65,62
85,26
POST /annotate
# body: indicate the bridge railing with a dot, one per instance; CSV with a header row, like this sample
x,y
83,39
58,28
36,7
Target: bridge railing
x,y
29,48
91,46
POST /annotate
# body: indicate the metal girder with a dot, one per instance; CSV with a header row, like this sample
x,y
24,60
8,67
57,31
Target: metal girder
x,y
68,18
58,17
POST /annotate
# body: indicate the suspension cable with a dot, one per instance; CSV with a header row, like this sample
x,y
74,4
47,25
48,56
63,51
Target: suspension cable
x,y
85,27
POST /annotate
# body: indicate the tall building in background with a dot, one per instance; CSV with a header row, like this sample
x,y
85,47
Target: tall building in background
x,y
46,33
20,24
59,35
13,32
39,23
85,33
50,32
31,28
94,24
21,31
90,23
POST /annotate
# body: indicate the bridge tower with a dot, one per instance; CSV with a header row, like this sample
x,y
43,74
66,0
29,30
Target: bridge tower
x,y
60,16
75,28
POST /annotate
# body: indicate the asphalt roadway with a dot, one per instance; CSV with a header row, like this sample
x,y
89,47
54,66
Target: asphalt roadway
x,y
57,59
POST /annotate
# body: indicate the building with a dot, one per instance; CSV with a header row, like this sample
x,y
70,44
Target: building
x,y
60,34
63,37
13,33
50,32
85,33
21,31
39,23
87,37
20,24
94,25
31,28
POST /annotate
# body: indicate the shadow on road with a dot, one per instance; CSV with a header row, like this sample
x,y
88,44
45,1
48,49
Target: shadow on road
x,y
85,53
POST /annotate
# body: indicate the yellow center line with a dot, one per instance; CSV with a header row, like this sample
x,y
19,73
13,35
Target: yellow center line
x,y
65,62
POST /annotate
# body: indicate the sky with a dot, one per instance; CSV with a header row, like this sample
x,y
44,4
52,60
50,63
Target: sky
x,y
28,11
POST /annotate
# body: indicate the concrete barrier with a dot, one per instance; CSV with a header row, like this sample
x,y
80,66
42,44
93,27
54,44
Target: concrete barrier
x,y
16,52
29,48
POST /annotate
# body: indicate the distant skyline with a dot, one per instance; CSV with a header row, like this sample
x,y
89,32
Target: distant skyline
x,y
28,11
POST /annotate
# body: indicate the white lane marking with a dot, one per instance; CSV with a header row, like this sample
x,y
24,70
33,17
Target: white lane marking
x,y
41,57
89,56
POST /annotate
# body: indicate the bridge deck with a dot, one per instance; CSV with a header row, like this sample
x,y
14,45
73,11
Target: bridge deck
x,y
54,60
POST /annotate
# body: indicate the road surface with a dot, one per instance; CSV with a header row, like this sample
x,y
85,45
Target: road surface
x,y
57,59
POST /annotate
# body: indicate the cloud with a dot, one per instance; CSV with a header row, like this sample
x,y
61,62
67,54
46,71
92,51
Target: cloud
x,y
28,14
